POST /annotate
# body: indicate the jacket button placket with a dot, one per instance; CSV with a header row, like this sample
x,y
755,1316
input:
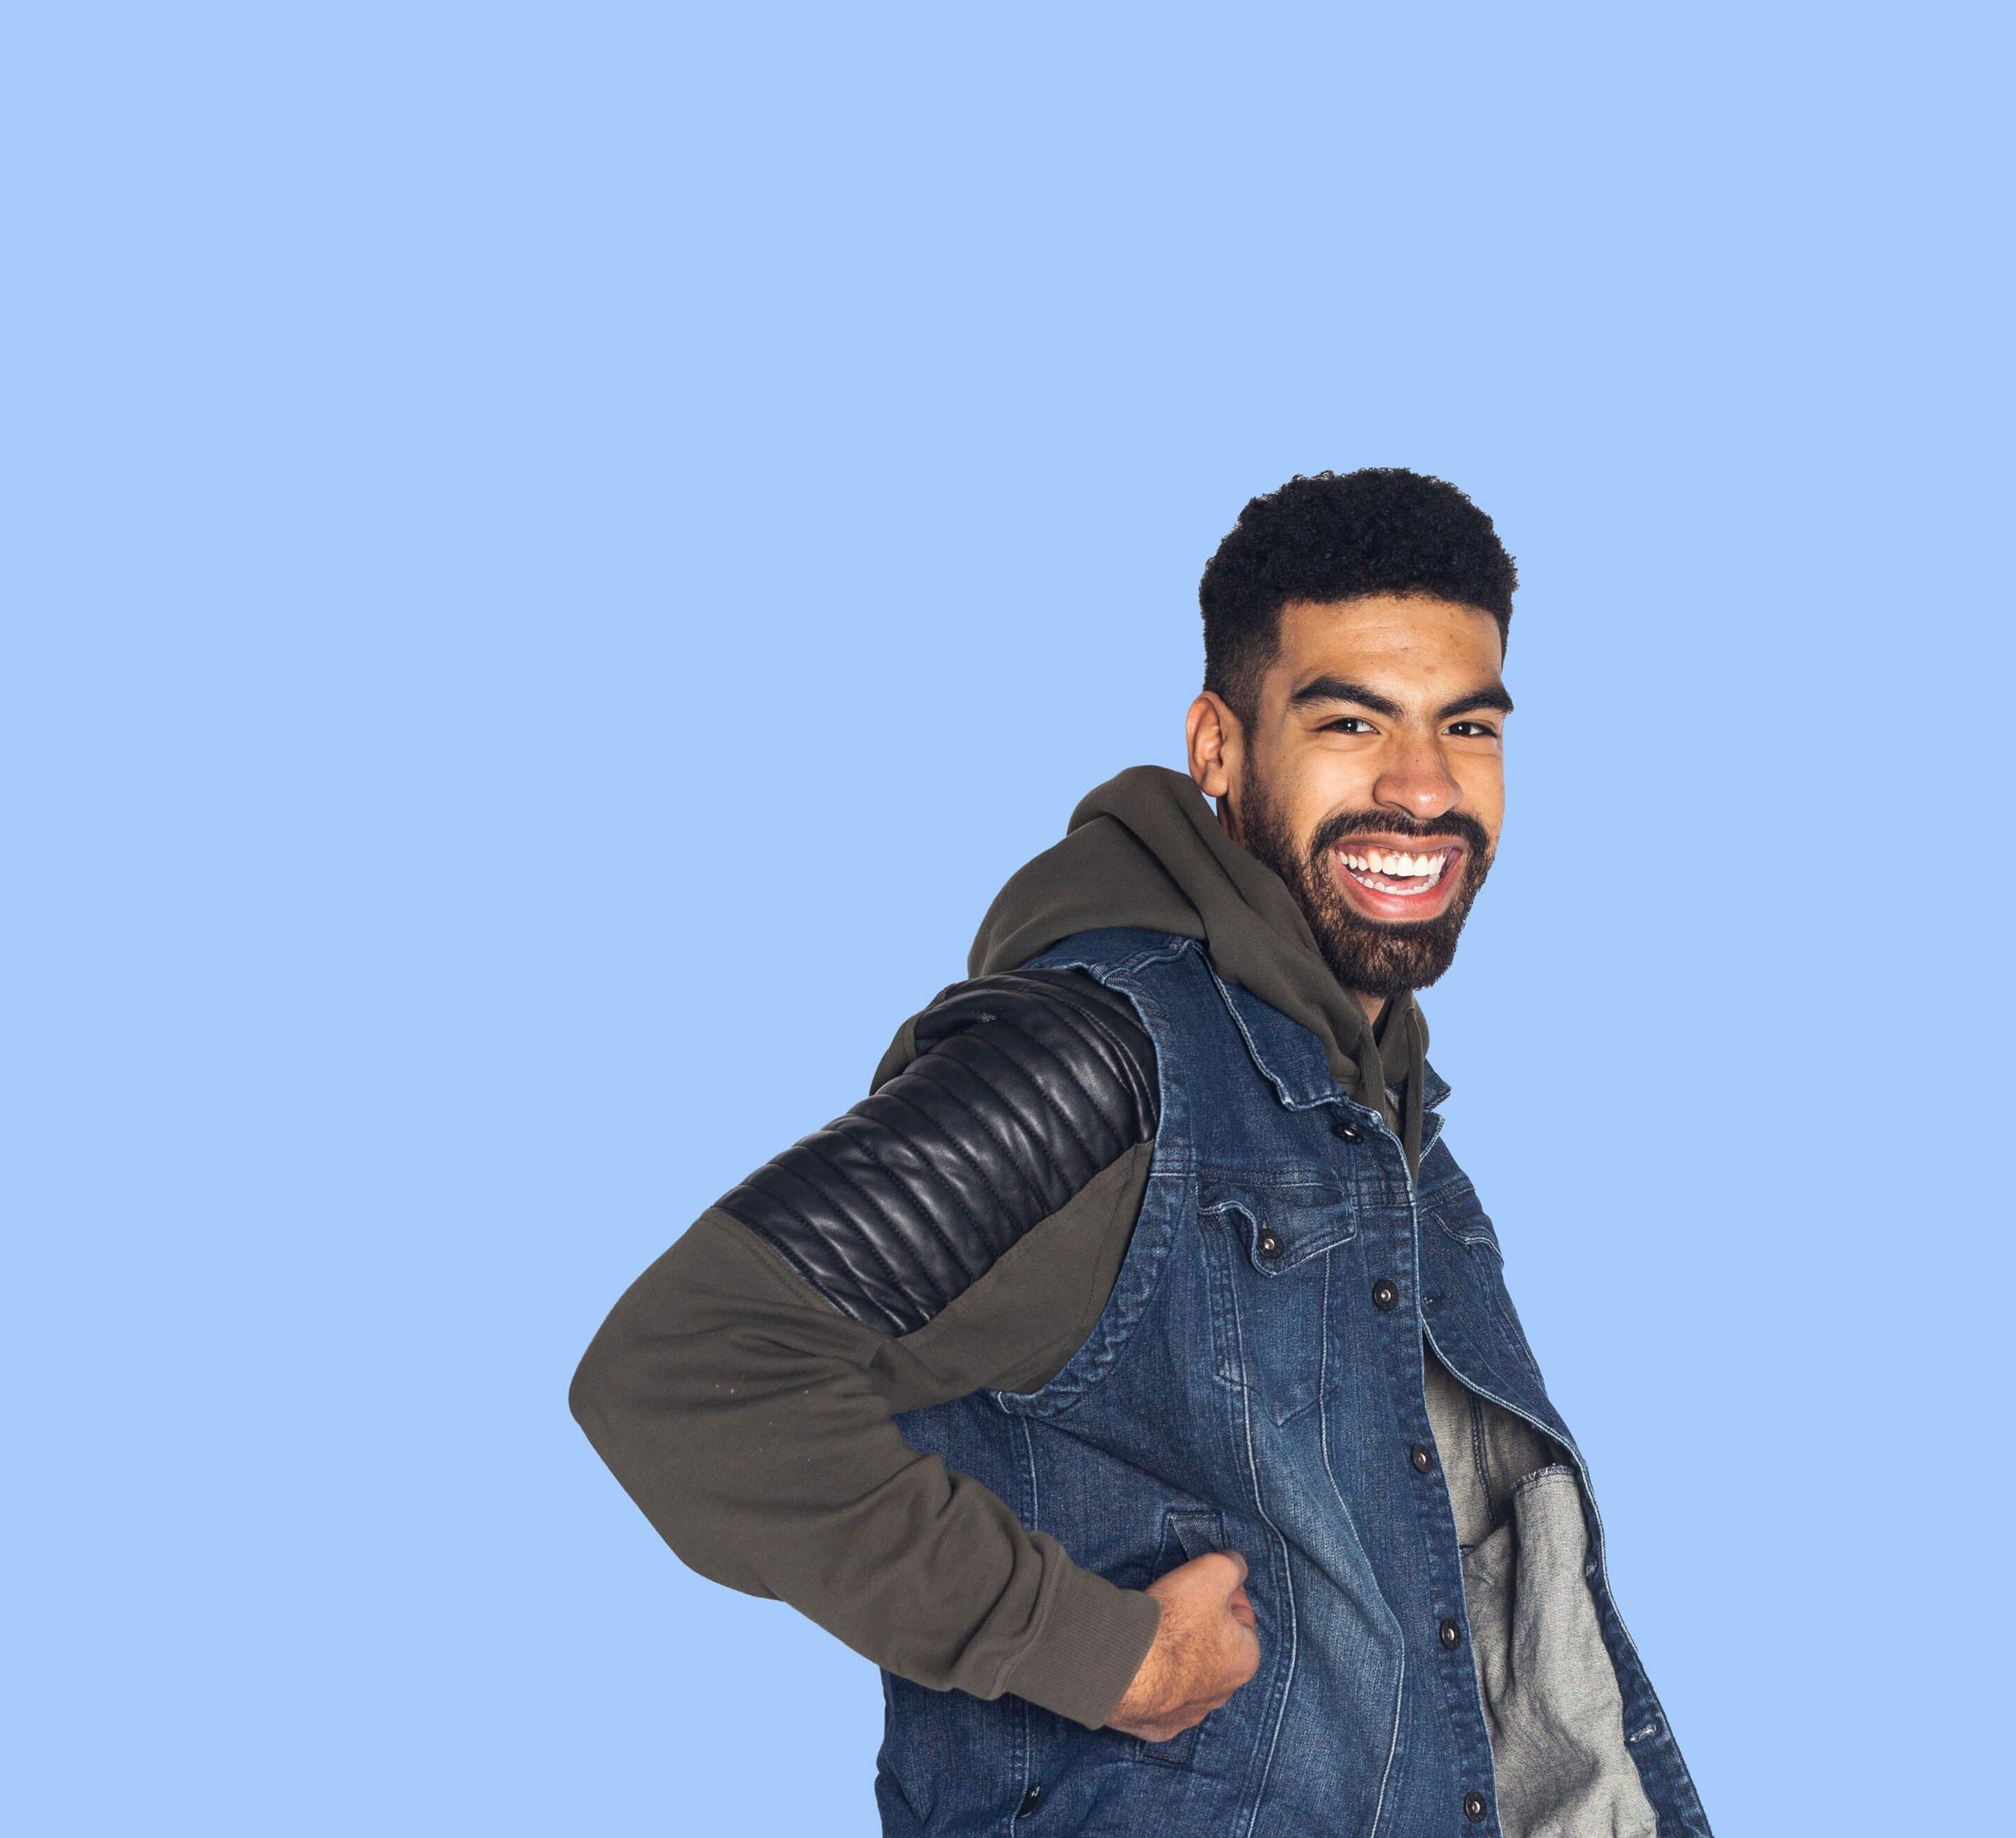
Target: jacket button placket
x,y
1396,1286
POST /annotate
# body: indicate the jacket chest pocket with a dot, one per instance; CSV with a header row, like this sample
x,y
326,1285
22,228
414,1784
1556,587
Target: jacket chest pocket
x,y
1269,1245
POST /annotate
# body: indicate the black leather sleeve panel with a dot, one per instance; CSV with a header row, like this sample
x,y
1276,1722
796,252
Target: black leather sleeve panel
x,y
1024,1087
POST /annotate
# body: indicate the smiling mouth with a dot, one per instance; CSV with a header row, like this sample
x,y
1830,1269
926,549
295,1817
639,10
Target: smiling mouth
x,y
1396,872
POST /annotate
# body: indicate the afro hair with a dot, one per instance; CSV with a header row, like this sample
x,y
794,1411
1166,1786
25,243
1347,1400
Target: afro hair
x,y
1339,536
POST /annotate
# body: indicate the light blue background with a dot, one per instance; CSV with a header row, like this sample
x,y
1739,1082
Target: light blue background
x,y
555,558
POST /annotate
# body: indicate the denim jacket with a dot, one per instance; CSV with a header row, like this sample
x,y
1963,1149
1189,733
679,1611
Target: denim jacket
x,y
1256,1382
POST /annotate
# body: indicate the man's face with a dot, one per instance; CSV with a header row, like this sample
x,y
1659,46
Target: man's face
x,y
1371,778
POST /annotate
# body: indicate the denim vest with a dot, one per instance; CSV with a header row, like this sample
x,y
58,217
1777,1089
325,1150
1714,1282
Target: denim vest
x,y
1255,1383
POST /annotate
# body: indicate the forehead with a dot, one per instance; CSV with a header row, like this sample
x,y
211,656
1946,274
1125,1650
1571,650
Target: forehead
x,y
1389,641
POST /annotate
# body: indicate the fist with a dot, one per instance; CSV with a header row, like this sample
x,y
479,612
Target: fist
x,y
1205,1649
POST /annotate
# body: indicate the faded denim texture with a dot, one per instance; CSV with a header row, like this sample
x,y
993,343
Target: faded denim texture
x,y
1243,1389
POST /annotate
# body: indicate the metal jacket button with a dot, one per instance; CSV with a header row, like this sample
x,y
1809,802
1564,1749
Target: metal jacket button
x,y
1451,1635
1030,1800
1384,1297
1475,1807
1421,1456
1269,1245
1345,1128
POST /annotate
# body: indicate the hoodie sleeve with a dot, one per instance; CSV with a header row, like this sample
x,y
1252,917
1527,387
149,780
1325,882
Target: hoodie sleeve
x,y
960,1230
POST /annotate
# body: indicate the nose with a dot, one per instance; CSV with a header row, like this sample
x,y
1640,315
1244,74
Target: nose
x,y
1416,780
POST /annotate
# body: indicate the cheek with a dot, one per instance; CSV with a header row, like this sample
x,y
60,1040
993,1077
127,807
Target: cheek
x,y
1333,780
1482,781
1480,787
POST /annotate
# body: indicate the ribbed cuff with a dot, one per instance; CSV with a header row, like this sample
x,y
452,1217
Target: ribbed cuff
x,y
1092,1642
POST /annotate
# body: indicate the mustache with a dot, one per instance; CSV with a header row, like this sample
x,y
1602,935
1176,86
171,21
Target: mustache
x,y
1333,830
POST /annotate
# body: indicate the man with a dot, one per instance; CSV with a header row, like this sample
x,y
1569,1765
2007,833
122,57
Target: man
x,y
1131,1376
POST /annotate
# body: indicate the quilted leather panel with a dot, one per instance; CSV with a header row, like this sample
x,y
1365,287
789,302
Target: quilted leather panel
x,y
1024,1087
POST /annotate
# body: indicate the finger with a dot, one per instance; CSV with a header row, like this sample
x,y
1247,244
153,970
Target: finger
x,y
1241,1561
1241,1605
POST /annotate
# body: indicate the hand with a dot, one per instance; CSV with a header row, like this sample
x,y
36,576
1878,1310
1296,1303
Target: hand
x,y
1206,1647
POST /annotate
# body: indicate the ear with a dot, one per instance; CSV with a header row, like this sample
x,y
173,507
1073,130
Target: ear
x,y
1216,745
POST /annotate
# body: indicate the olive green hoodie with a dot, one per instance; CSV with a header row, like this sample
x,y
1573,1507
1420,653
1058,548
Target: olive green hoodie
x,y
752,1421
1144,850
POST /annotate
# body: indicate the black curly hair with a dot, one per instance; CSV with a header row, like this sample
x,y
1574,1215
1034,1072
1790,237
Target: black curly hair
x,y
1382,530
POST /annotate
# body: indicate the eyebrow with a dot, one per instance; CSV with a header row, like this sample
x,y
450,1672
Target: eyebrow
x,y
1339,689
1335,689
1493,698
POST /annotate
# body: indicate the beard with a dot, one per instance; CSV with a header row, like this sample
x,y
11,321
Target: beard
x,y
1375,957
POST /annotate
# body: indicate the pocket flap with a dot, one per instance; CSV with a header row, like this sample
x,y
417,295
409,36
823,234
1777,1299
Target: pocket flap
x,y
1281,1223
1187,1535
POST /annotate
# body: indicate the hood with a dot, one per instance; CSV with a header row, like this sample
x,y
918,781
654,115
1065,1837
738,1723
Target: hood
x,y
1145,849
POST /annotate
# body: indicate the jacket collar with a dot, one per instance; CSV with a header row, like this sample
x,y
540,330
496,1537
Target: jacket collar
x,y
1291,1059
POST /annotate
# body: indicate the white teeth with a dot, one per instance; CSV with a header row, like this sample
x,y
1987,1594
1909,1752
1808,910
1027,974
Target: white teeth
x,y
1398,865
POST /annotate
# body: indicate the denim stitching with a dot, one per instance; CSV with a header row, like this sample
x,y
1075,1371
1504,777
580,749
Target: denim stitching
x,y
1399,1643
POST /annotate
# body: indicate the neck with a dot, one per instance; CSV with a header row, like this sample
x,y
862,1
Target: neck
x,y
1374,1005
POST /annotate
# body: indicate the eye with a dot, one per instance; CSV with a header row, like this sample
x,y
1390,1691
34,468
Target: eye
x,y
1473,730
1348,724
